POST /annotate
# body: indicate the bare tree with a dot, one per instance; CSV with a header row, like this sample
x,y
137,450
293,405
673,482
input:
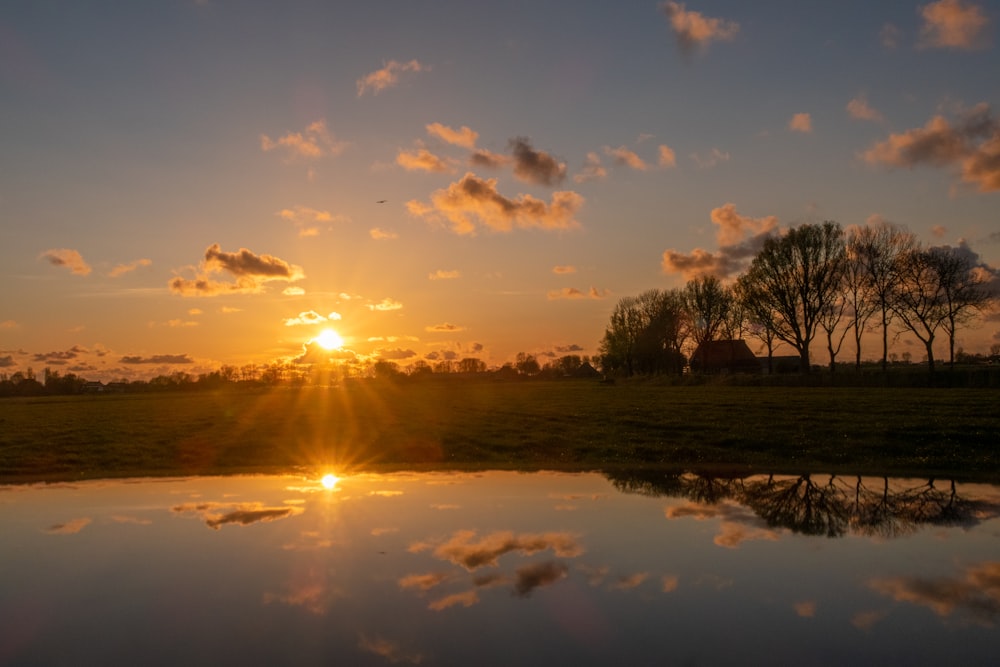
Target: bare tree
x,y
760,316
796,277
878,248
964,286
858,295
918,298
707,303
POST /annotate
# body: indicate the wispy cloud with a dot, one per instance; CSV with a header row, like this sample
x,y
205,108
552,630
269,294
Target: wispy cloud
x,y
563,270
472,199
306,220
953,24
445,327
380,234
68,258
441,274
574,293
592,169
625,157
694,30
800,122
388,76
385,305
122,269
303,318
314,142
162,359
859,109
464,136
667,156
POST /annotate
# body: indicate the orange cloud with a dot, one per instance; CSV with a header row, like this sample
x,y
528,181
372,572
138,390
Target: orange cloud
x,y
474,199
972,143
387,77
423,582
574,293
488,159
445,327
305,219
462,548
800,122
382,235
422,159
315,142
667,156
464,137
592,169
307,317
626,158
122,269
69,528
976,591
953,24
385,305
250,270
858,108
441,274
735,247
693,30
71,259
466,599
563,270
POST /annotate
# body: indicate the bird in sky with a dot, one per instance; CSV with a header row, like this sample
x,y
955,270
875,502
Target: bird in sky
x,y
381,201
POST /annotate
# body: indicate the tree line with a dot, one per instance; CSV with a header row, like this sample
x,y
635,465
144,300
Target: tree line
x,y
814,283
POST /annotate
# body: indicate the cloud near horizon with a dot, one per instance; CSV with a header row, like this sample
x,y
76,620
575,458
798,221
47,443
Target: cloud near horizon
x,y
739,237
972,143
574,293
67,257
250,270
473,199
158,359
387,77
694,30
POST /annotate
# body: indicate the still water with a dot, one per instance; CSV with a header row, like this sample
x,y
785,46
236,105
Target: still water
x,y
500,568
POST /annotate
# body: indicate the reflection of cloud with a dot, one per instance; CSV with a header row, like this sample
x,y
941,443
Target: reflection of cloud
x,y
866,620
536,575
976,591
423,582
806,609
466,599
953,24
473,199
389,650
471,554
737,523
71,259
694,30
629,581
217,515
69,528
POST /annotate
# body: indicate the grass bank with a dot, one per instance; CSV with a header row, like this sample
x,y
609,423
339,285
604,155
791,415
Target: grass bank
x,y
529,425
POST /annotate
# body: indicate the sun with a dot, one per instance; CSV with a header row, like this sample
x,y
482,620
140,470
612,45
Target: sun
x,y
329,339
329,482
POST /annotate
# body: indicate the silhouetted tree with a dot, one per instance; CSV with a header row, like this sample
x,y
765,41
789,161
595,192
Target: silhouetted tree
x,y
918,299
526,364
796,277
707,303
645,334
964,288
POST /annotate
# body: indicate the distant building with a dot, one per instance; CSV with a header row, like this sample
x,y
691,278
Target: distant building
x,y
724,356
92,387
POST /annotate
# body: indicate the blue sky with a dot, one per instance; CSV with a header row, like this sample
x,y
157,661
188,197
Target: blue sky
x,y
598,136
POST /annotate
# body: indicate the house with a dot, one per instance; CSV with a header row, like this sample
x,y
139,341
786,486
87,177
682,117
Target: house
x,y
724,356
92,387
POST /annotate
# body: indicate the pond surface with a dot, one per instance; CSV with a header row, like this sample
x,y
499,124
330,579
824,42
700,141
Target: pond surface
x,y
500,569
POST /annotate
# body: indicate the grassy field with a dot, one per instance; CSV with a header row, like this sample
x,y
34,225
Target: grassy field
x,y
581,425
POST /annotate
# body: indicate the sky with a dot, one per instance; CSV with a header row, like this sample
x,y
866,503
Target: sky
x,y
186,184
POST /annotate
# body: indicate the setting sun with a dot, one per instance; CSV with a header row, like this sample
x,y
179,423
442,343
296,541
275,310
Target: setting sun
x,y
329,481
329,339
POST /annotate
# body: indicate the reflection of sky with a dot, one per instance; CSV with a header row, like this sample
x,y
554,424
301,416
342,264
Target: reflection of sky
x,y
265,570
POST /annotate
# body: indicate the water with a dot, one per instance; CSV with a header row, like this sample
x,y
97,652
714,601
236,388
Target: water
x,y
500,568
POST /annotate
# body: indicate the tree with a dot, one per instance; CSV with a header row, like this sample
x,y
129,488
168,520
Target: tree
x,y
858,296
918,299
707,304
878,248
526,364
759,314
645,334
471,365
963,286
796,277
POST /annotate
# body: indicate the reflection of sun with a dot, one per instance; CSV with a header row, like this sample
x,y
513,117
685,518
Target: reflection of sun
x,y
329,339
329,481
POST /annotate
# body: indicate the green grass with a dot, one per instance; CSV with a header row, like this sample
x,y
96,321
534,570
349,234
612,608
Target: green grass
x,y
525,425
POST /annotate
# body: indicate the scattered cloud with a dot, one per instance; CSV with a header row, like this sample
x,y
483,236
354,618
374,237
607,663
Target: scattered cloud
x,y
800,122
574,293
953,24
694,30
385,305
394,354
162,359
536,575
122,269
250,270
465,550
380,234
314,142
667,156
976,592
563,270
474,199
464,137
60,358
466,599
71,259
421,159
389,650
739,237
592,169
288,291
890,36
306,219
217,515
441,274
938,231
710,159
805,609
7,361
534,166
444,327
626,158
972,143
859,109
71,527
488,159
304,318
668,583
388,76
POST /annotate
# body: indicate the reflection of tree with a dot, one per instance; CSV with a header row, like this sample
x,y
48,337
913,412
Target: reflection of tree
x,y
834,507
